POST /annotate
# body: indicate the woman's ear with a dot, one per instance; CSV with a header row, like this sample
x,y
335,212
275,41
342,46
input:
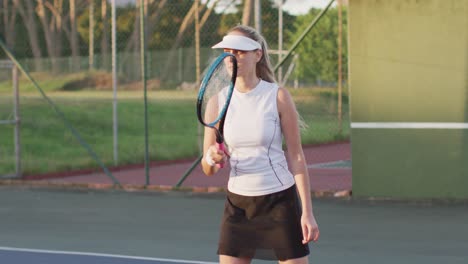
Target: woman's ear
x,y
259,53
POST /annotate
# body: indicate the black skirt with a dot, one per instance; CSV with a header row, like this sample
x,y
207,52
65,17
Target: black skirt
x,y
262,227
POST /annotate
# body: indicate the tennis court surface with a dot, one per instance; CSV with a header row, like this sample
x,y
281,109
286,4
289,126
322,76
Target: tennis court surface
x,y
52,226
25,255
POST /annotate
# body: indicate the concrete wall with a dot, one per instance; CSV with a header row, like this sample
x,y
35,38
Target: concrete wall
x,y
409,98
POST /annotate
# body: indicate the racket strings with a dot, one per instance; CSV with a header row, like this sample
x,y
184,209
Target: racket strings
x,y
214,98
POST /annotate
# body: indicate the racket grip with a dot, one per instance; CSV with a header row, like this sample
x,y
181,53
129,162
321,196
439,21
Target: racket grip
x,y
221,147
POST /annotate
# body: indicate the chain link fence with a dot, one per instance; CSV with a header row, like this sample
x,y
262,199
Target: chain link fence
x,y
86,57
9,132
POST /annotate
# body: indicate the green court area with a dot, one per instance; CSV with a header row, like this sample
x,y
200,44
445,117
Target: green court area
x,y
182,225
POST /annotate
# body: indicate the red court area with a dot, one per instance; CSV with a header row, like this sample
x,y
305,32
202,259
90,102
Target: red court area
x,y
329,169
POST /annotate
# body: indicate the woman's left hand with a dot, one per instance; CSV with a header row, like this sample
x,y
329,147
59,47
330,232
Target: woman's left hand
x,y
310,230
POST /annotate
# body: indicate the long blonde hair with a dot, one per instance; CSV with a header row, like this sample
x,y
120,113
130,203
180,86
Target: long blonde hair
x,y
264,69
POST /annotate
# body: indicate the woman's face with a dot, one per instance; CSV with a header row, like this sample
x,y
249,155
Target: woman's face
x,y
246,61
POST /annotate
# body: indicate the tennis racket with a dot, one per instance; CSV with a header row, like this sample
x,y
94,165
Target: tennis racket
x,y
215,95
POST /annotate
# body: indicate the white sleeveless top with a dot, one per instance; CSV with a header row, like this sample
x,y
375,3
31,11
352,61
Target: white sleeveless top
x,y
253,134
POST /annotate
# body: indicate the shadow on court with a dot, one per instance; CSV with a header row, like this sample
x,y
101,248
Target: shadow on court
x,y
59,226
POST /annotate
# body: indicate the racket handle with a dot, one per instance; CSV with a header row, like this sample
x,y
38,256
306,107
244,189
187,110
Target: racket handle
x,y
221,147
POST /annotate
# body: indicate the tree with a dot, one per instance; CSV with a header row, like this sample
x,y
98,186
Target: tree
x,y
102,27
29,19
269,20
184,27
74,39
9,21
155,9
58,20
318,54
50,18
105,35
189,17
247,13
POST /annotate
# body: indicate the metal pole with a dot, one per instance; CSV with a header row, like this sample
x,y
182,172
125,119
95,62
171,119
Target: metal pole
x,y
197,41
179,64
143,78
280,39
189,170
114,84
16,113
340,77
91,35
197,65
258,15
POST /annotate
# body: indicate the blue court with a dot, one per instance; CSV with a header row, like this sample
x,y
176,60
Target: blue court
x,y
25,255
52,226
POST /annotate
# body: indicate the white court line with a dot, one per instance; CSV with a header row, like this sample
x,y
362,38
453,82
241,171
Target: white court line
x,y
58,252
409,125
325,165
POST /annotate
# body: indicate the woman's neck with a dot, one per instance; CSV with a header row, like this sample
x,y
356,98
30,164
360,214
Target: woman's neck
x,y
244,85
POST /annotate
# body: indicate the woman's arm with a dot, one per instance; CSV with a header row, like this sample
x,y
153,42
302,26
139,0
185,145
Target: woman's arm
x,y
296,162
211,154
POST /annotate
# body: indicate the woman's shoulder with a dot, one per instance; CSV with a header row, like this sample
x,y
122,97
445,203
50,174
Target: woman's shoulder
x,y
283,94
283,99
269,87
269,84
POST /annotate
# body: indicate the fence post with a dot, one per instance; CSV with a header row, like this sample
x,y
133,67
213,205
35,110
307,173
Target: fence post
x,y
143,79
17,120
114,84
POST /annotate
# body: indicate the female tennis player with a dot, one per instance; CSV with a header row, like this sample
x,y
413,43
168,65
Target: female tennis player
x,y
268,211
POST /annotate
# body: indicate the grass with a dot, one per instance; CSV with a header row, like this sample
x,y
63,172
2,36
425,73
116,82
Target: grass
x,y
49,146
47,82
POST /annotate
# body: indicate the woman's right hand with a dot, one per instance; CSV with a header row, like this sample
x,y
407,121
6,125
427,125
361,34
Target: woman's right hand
x,y
214,155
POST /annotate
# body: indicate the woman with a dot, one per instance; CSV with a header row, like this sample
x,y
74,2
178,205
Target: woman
x,y
263,217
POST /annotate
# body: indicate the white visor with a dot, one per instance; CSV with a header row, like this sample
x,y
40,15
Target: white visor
x,y
237,42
